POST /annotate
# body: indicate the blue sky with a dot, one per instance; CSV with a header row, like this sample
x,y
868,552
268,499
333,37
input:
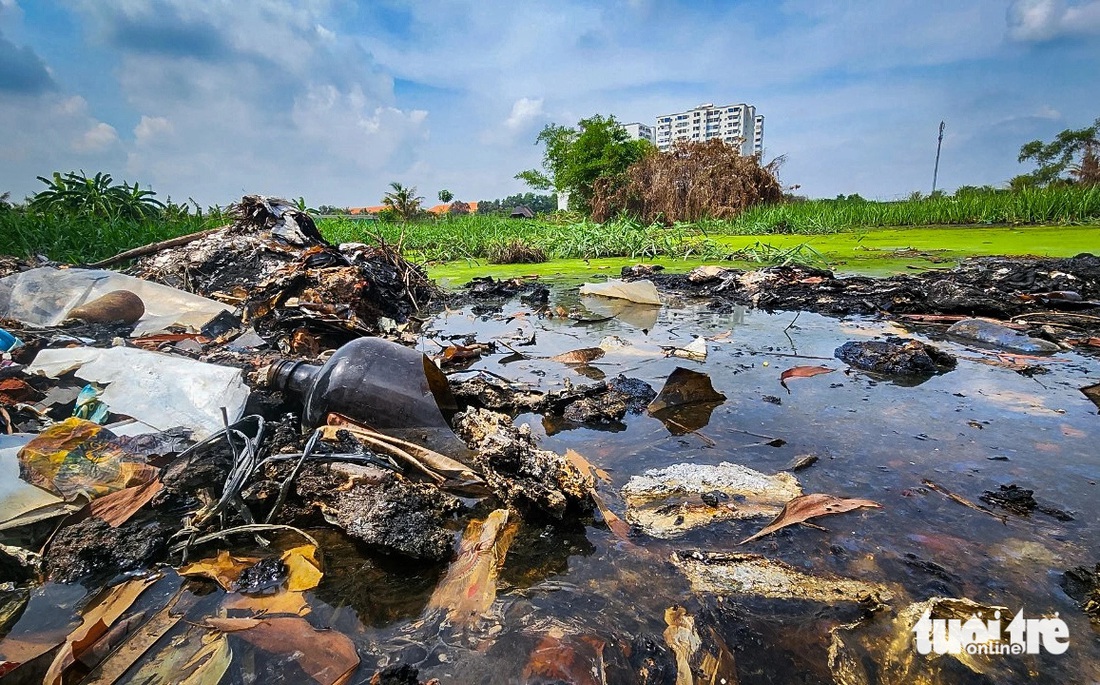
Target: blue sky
x,y
332,100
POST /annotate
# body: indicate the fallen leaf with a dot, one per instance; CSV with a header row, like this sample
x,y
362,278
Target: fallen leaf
x,y
97,620
806,507
561,658
304,570
326,657
619,527
282,602
222,569
231,625
581,356
586,467
469,588
685,402
111,669
118,507
1093,393
802,372
683,640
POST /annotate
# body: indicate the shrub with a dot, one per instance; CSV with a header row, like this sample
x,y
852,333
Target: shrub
x,y
690,182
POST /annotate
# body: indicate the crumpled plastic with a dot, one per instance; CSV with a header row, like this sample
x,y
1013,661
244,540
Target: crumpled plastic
x,y
45,296
78,458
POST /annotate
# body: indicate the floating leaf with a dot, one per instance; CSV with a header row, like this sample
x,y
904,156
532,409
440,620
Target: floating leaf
x,y
97,620
222,569
469,588
326,657
802,372
586,467
686,401
683,640
304,568
807,507
581,356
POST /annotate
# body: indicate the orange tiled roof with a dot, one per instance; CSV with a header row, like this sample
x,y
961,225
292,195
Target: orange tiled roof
x,y
437,209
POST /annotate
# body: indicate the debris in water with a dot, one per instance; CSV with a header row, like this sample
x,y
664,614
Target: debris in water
x,y
807,507
1001,337
668,502
1093,393
710,659
724,573
1021,502
581,356
802,372
696,350
517,470
470,586
685,401
1083,585
895,356
640,292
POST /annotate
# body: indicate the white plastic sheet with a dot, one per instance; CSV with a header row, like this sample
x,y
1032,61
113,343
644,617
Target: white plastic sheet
x,y
45,296
161,390
641,292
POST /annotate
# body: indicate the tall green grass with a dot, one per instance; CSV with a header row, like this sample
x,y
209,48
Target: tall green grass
x,y
477,237
81,240
1054,205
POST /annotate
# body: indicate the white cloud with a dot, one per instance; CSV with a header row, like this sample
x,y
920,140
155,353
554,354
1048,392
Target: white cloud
x,y
96,139
1043,20
525,112
151,127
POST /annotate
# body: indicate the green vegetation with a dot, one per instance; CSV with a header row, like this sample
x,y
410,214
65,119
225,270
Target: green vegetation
x,y
74,194
1066,204
402,202
480,237
539,204
577,159
1072,157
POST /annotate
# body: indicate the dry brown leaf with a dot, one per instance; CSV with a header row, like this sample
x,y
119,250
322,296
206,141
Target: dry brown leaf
x,y
682,638
118,507
586,467
282,602
619,527
469,588
97,620
561,658
581,356
802,372
222,569
807,507
327,657
231,625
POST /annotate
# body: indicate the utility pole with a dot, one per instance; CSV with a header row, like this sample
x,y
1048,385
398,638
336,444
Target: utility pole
x,y
939,144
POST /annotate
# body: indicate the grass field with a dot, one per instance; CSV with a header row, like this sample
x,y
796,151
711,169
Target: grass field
x,y
837,232
874,252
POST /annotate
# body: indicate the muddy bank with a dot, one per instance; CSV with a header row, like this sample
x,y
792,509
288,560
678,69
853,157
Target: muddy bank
x,y
1065,290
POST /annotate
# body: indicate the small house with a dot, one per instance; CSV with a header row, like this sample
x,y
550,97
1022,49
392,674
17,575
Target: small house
x,y
522,212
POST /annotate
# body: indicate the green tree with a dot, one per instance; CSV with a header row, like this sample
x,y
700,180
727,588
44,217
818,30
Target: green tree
x,y
97,196
402,201
446,196
1075,152
575,158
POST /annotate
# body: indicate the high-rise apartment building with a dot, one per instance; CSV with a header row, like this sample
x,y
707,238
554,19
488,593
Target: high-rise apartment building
x,y
735,124
638,131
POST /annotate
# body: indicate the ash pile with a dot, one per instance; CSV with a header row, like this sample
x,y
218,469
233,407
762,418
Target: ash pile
x,y
291,285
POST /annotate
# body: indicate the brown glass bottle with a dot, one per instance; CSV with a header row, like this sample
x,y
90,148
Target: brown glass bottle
x,y
373,381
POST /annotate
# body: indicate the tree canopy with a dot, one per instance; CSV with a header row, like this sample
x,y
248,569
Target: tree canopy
x,y
402,201
575,158
1073,156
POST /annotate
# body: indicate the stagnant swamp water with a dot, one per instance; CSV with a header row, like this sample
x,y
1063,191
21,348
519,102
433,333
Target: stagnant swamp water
x,y
577,604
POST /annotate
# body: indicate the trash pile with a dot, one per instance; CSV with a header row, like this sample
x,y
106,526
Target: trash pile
x,y
184,446
181,422
1054,299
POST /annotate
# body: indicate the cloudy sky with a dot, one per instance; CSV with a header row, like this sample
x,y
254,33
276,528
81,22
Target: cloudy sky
x,y
331,100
